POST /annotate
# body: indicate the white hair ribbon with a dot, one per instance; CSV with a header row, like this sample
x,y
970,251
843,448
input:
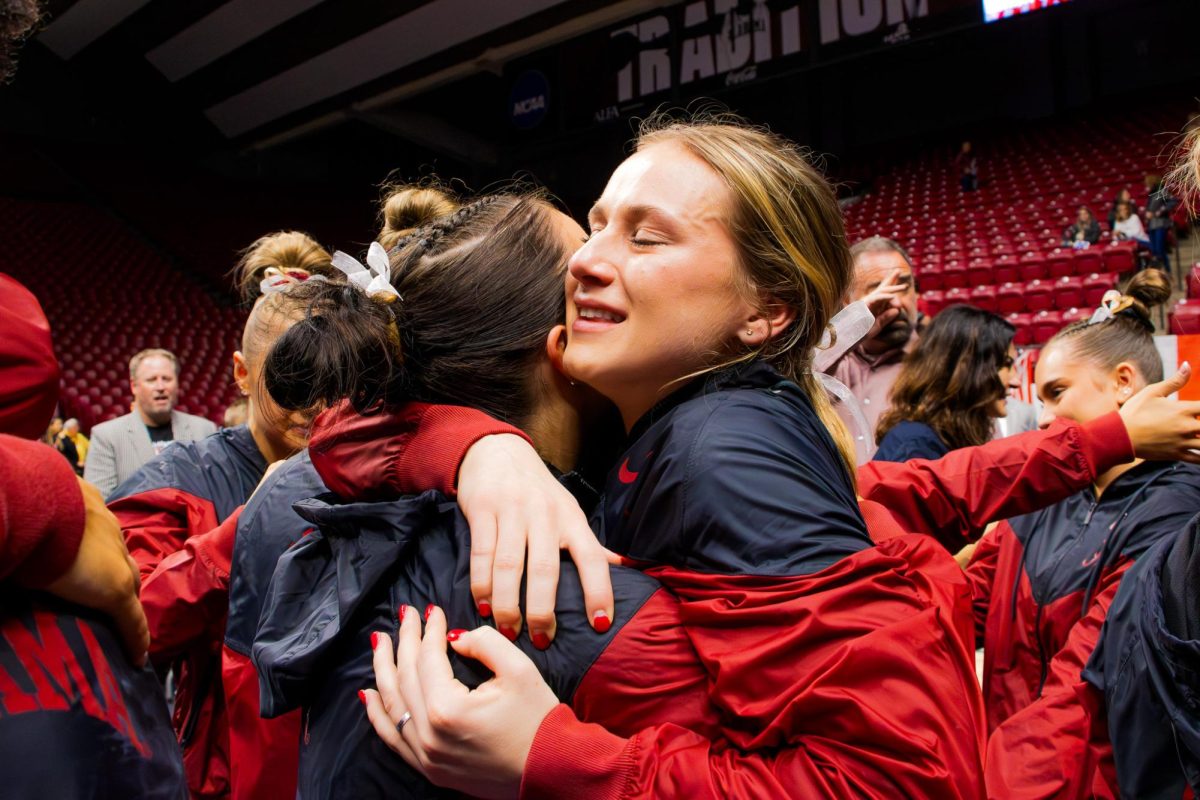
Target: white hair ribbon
x,y
1110,304
371,280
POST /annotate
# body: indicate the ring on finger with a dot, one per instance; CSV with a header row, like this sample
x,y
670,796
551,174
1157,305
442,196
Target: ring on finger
x,y
404,718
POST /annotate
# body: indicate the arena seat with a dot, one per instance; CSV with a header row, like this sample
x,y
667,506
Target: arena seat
x,y
108,294
1184,317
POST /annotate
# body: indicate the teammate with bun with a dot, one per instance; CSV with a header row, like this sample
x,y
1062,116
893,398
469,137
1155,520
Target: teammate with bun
x,y
172,511
1043,582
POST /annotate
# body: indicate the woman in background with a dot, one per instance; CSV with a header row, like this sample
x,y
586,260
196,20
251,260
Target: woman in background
x,y
952,387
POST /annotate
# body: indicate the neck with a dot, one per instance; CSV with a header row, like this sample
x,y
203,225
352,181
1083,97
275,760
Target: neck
x,y
271,448
152,421
555,427
1102,482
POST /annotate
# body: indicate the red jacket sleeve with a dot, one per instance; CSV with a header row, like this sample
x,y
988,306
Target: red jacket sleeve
x,y
955,497
157,523
414,448
1058,746
186,598
41,512
805,714
981,571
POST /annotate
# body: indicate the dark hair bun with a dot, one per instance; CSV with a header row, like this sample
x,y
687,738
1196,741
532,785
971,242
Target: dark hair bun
x,y
1148,288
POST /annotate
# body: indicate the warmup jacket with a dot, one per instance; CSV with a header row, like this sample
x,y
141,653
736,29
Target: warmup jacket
x,y
1129,725
77,720
264,752
170,511
952,499
796,555
1147,668
1043,586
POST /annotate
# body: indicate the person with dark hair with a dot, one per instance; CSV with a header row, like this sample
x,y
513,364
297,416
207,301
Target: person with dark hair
x,y
1043,582
80,717
968,168
952,388
1084,231
1128,225
1123,196
174,510
264,752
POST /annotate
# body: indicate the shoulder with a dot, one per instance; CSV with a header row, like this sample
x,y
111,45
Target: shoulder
x,y
908,440
111,428
194,422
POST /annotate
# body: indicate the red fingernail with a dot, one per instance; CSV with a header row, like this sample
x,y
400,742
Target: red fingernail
x,y
374,640
540,640
454,634
485,609
401,613
508,633
362,697
601,622
428,611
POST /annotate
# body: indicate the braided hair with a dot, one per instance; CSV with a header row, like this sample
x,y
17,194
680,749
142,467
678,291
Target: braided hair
x,y
481,289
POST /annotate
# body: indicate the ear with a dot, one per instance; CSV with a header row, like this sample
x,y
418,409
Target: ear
x,y
556,348
1128,381
767,323
241,373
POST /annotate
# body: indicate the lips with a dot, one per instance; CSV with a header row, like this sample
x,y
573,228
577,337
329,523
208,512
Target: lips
x,y
593,316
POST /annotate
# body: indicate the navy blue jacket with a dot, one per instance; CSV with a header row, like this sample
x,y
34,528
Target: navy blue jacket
x,y
1147,665
734,474
77,720
346,580
909,440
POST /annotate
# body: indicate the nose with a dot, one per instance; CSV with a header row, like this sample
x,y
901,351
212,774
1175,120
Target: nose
x,y
590,265
1045,418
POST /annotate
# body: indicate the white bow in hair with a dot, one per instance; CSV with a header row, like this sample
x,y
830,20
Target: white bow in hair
x,y
370,280
849,325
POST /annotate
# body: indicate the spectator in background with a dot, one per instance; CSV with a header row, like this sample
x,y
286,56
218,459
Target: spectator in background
x,y
1085,232
1128,225
882,268
52,432
121,446
952,387
236,413
1123,196
66,444
968,168
1158,217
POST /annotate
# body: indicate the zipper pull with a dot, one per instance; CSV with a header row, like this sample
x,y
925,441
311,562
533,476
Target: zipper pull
x,y
1091,511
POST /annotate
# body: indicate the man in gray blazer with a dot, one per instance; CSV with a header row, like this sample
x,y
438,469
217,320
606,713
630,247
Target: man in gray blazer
x,y
121,446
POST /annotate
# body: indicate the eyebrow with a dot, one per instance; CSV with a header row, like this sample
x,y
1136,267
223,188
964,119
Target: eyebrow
x,y
636,211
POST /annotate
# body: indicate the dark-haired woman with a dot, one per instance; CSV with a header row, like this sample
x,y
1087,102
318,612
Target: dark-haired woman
x,y
1043,582
175,512
952,387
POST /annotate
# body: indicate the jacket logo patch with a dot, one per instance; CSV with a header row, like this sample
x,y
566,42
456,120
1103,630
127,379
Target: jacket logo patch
x,y
626,475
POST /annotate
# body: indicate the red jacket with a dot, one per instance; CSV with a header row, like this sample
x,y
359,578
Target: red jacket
x,y
1037,577
1002,477
187,492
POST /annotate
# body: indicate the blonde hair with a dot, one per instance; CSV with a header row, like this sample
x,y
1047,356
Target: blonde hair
x,y
406,208
788,230
153,352
1184,177
282,250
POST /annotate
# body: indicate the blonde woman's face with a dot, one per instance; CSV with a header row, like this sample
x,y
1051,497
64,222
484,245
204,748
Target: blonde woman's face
x,y
652,295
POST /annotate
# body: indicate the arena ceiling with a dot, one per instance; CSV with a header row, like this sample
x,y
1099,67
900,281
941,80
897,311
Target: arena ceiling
x,y
264,71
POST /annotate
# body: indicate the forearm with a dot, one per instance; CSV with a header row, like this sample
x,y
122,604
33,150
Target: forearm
x,y
955,497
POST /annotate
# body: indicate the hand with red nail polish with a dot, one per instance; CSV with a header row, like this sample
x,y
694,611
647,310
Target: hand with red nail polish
x,y
472,741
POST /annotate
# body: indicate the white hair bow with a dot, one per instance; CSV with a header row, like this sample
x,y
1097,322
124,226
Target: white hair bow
x,y
370,280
